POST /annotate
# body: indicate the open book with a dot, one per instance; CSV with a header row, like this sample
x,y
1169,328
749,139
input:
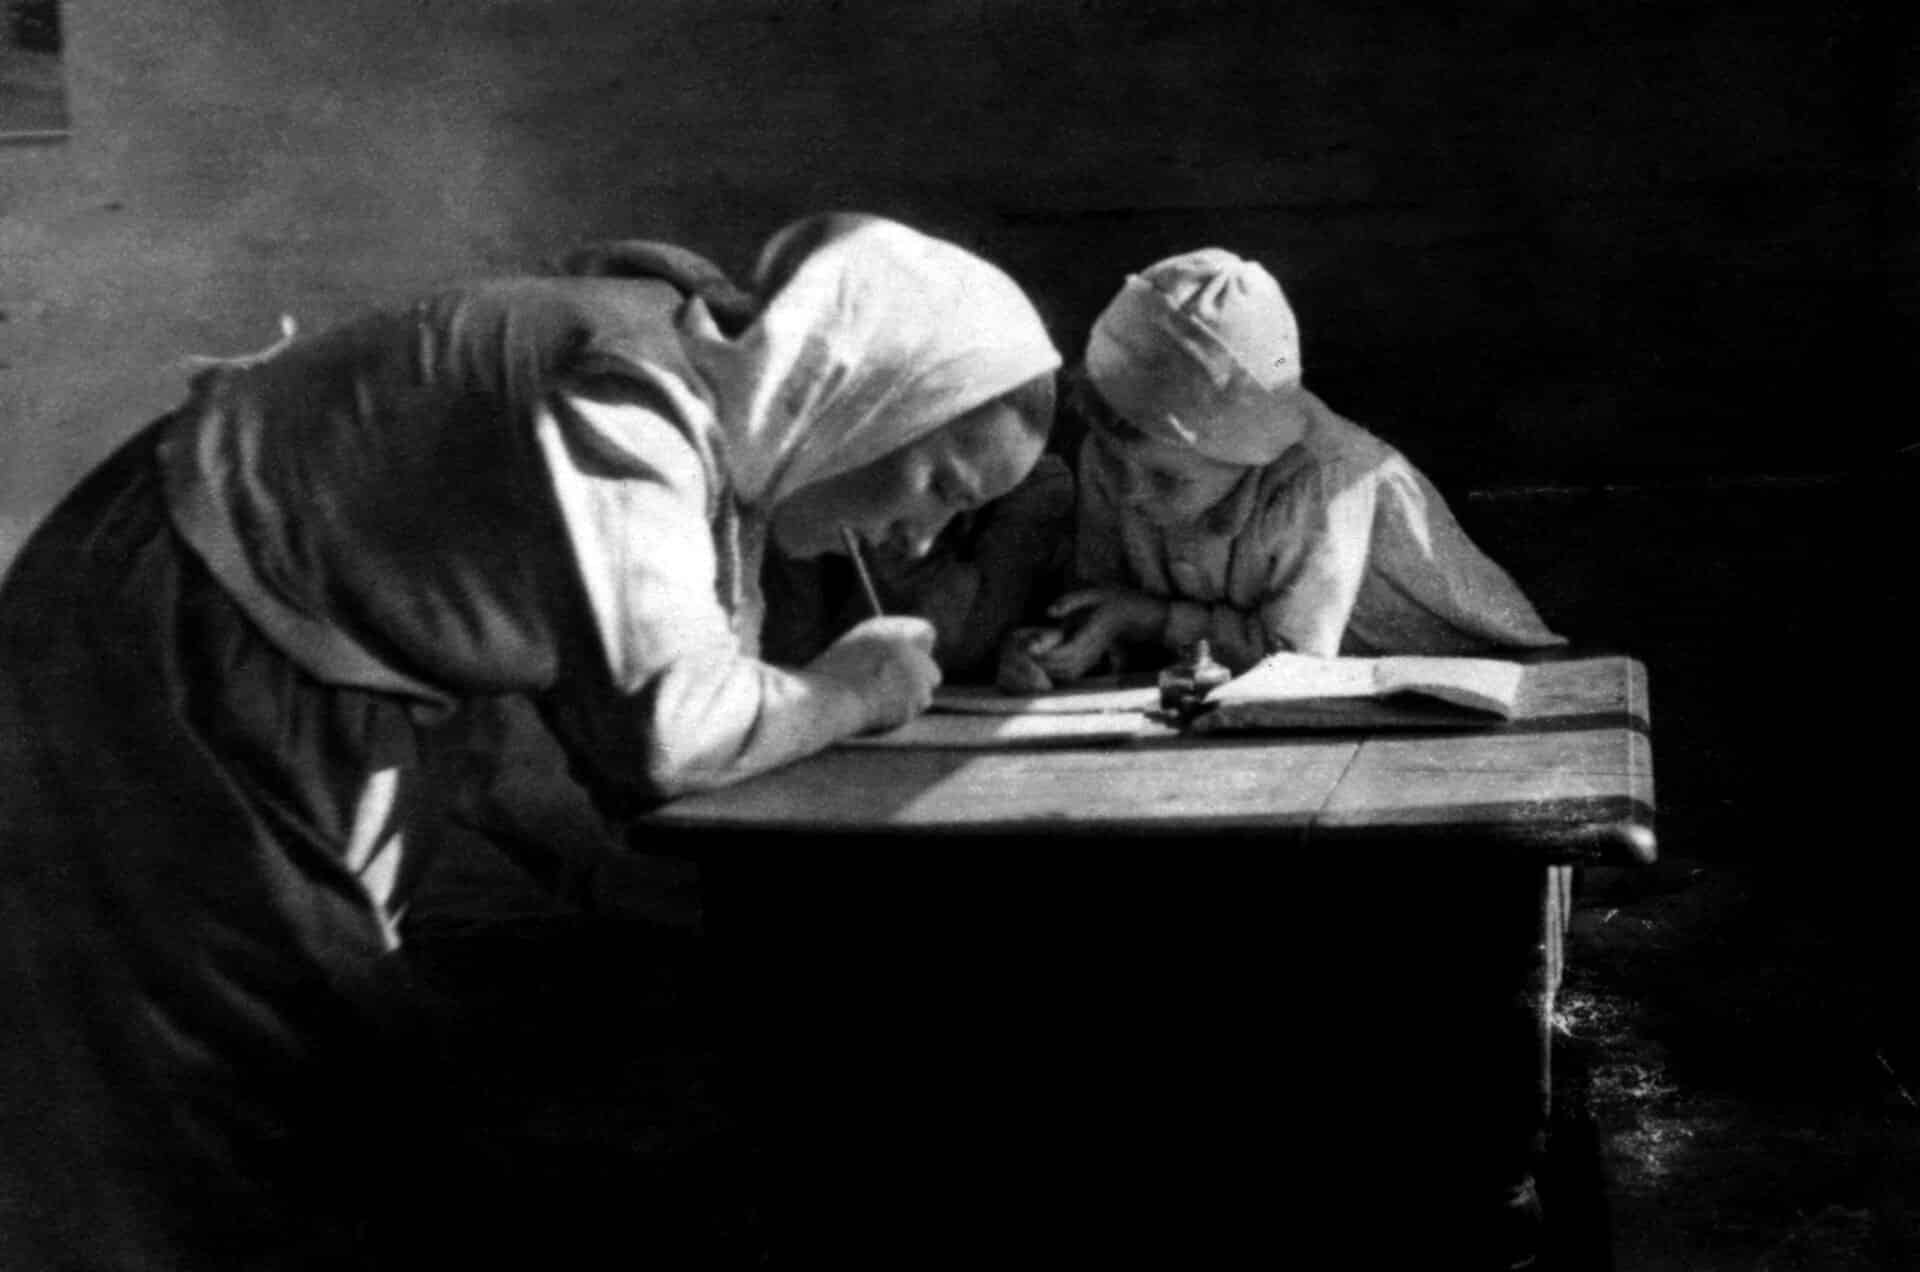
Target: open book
x,y
1400,691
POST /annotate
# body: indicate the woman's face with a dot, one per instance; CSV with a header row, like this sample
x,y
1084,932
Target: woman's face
x,y
903,499
1167,485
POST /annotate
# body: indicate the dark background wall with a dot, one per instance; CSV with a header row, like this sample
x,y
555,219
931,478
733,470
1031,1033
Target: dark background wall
x,y
1665,250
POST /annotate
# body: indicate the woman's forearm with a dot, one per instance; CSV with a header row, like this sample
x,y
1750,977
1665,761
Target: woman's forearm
x,y
715,724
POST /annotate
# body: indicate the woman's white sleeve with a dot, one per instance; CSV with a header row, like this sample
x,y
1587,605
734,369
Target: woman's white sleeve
x,y
679,707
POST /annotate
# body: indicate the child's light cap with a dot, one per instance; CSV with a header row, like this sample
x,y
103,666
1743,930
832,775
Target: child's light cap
x,y
1202,350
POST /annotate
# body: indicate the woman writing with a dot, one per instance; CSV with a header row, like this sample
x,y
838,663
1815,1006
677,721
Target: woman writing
x,y
224,657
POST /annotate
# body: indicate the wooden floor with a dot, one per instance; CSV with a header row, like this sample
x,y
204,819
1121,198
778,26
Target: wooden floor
x,y
1749,1060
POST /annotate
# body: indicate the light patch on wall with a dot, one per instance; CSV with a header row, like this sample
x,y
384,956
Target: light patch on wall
x,y
33,92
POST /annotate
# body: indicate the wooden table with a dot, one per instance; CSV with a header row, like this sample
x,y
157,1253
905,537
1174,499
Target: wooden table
x,y
1568,781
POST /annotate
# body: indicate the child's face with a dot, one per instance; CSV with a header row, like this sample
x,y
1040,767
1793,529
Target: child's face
x,y
1166,484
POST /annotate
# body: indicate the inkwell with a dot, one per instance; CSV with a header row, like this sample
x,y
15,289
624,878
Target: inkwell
x,y
1185,683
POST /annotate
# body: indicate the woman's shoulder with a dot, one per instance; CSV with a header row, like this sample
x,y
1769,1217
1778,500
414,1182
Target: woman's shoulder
x,y
579,309
609,340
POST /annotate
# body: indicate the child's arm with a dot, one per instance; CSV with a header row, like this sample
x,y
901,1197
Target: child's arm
x,y
1109,620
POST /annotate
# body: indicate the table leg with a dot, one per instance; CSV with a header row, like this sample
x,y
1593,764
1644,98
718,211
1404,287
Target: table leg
x,y
1556,908
1507,927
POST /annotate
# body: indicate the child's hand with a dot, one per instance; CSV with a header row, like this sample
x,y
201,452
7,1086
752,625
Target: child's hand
x,y
1020,670
1112,616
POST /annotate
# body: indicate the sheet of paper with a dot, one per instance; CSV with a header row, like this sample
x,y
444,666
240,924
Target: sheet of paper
x,y
1040,729
1108,694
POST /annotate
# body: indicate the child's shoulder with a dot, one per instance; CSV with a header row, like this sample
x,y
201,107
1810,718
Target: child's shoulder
x,y
1333,437
1336,458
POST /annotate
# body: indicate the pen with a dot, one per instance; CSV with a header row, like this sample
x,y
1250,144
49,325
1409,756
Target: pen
x,y
860,568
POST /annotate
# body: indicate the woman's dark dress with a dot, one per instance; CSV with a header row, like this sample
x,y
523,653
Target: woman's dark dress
x,y
205,1050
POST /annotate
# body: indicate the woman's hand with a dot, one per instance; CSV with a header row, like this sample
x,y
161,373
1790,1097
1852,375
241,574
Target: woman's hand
x,y
888,664
1111,617
1020,670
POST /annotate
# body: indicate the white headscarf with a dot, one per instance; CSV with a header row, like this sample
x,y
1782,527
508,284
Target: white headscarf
x,y
1202,350
871,335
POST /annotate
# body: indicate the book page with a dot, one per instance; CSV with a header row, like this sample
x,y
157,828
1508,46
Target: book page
x,y
1479,684
1288,677
1295,691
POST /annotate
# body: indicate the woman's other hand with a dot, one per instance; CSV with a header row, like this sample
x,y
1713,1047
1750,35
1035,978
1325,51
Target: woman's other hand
x,y
1020,670
1110,617
888,663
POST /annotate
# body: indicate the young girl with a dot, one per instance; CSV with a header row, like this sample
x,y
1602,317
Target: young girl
x,y
1221,500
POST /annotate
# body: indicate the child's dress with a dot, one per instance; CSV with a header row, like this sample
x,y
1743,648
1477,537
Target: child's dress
x,y
1339,546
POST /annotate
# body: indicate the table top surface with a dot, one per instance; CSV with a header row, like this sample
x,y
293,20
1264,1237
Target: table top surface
x,y
1570,778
